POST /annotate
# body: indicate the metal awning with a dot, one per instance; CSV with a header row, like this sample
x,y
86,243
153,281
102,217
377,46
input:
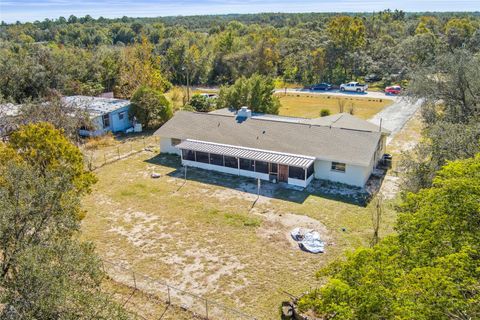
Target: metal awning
x,y
247,153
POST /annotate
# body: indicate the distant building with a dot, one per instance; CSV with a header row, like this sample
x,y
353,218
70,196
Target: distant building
x,y
106,114
340,148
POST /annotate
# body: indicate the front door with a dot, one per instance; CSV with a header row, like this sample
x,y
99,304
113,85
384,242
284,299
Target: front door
x,y
282,173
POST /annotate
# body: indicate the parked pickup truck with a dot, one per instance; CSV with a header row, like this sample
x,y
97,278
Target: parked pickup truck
x,y
353,87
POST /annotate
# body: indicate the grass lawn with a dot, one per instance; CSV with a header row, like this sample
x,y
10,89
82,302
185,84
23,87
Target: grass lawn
x,y
309,105
204,237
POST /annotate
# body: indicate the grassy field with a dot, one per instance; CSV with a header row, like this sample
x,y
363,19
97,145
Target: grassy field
x,y
309,105
203,236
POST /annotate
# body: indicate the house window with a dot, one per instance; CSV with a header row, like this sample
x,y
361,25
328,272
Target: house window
x,y
188,155
121,115
247,164
339,167
261,166
231,162
202,157
216,159
310,170
175,142
296,173
106,120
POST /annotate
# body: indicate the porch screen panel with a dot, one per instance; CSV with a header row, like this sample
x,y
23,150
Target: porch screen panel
x,y
261,166
216,159
310,170
247,164
296,173
202,157
188,155
231,162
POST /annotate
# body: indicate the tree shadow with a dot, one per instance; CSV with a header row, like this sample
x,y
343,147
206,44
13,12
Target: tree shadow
x,y
282,191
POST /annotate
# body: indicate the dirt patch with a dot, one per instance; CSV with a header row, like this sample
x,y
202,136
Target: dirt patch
x,y
277,227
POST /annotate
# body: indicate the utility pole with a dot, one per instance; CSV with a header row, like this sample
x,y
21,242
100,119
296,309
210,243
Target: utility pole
x,y
186,69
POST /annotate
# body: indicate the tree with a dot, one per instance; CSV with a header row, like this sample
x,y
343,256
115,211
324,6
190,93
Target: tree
x,y
450,110
45,272
139,67
201,103
428,271
150,106
45,147
255,92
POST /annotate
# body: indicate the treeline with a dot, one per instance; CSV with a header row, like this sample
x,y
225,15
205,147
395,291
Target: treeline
x,y
88,56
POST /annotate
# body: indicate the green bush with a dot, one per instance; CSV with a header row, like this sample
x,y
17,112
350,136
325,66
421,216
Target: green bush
x,y
324,112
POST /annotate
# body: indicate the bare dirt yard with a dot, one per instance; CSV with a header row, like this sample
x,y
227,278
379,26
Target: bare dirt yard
x,y
206,237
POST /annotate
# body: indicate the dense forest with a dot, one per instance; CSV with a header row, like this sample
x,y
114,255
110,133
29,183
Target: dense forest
x,y
82,55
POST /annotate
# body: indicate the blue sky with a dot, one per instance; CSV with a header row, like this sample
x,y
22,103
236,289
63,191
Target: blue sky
x,y
28,10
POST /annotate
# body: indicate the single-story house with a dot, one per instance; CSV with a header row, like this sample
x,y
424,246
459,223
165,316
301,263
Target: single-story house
x,y
106,114
340,147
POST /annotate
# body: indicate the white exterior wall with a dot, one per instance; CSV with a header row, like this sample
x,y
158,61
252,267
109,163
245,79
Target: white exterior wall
x,y
166,146
354,175
239,172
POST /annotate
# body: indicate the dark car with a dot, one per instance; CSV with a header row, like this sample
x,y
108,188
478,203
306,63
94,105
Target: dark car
x,y
321,86
373,78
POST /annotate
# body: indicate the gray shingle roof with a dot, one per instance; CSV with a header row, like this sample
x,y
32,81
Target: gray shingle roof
x,y
322,142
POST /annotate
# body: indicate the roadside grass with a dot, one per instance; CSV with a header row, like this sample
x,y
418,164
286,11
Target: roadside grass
x,y
408,137
309,105
203,236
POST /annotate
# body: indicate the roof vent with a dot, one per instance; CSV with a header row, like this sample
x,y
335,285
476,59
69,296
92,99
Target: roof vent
x,y
244,112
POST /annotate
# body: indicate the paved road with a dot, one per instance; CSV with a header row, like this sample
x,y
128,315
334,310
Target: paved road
x,y
393,117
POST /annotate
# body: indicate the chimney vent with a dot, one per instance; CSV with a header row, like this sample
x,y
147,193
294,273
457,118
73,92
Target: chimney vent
x,y
244,112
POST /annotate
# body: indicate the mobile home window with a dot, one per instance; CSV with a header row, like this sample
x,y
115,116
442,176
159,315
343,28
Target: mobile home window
x,y
261,166
231,162
338,166
247,164
296,173
216,159
106,120
188,155
202,157
121,115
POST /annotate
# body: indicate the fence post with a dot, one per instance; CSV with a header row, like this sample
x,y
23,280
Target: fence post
x,y
168,291
134,280
206,308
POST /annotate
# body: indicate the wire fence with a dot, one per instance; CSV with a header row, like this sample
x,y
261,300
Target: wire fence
x,y
97,158
166,294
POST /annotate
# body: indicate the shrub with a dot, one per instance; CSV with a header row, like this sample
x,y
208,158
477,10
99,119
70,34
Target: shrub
x,y
324,113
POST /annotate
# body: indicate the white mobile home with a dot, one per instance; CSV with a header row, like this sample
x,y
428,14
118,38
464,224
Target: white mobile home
x,y
339,148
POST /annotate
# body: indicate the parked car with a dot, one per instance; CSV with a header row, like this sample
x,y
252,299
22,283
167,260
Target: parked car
x,y
393,90
372,78
353,87
321,86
